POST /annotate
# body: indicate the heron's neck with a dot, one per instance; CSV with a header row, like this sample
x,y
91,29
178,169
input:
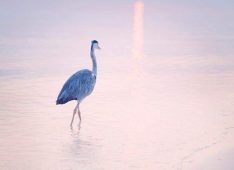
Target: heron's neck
x,y
93,60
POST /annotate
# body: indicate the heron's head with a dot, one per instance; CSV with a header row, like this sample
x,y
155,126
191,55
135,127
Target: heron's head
x,y
95,44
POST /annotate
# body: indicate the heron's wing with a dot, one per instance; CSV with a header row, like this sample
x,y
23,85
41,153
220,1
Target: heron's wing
x,y
78,86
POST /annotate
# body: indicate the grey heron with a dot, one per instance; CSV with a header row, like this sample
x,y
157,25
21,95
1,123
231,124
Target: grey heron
x,y
80,84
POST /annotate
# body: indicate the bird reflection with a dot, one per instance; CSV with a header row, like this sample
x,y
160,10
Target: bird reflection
x,y
77,130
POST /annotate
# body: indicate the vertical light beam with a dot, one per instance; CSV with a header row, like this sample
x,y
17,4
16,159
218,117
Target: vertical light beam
x,y
138,29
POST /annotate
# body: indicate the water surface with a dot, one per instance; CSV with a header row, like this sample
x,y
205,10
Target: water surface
x,y
164,94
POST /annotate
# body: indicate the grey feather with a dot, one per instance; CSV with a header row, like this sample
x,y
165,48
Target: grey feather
x,y
77,87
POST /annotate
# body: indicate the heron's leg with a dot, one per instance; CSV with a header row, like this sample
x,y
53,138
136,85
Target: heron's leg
x,y
79,110
74,112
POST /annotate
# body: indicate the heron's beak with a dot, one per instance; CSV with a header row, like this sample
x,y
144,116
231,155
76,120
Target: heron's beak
x,y
98,48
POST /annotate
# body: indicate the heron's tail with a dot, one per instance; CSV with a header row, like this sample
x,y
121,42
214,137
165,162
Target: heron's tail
x,y
64,97
61,101
58,102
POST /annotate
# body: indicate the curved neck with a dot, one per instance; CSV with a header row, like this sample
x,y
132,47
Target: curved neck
x,y
92,54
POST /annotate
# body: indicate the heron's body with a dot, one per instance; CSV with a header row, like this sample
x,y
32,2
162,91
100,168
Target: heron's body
x,y
80,84
77,87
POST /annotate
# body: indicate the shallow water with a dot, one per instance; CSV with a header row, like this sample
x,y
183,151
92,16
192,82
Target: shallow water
x,y
164,94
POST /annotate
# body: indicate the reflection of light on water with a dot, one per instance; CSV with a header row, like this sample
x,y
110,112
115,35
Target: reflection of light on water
x,y
137,81
138,29
138,38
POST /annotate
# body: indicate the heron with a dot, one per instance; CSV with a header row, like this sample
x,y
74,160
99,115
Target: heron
x,y
80,84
